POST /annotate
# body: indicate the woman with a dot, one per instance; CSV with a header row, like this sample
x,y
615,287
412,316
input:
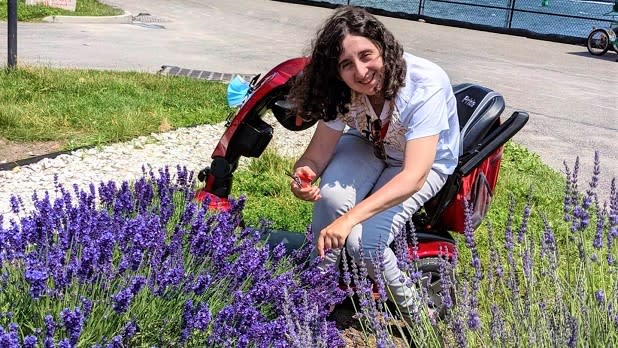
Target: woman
x,y
401,142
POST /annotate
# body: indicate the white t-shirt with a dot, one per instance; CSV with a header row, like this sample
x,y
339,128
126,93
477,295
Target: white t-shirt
x,y
424,106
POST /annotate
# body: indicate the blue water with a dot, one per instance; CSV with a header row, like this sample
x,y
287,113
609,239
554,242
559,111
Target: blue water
x,y
540,23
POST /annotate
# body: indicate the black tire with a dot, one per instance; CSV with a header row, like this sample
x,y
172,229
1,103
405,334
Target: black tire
x,y
431,281
598,42
284,112
615,42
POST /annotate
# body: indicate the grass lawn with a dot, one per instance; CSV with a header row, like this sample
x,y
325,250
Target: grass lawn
x,y
33,13
88,107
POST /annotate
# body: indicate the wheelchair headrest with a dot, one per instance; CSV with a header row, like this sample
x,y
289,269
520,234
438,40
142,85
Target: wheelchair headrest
x,y
479,110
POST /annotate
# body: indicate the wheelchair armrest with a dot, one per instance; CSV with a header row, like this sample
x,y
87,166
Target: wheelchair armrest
x,y
492,141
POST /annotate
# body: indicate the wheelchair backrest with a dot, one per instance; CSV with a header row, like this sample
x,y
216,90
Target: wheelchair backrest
x,y
478,109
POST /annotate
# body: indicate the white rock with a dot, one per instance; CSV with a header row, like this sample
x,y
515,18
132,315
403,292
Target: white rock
x,y
190,147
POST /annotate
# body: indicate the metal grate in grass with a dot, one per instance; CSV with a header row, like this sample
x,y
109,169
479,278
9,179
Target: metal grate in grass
x,y
171,70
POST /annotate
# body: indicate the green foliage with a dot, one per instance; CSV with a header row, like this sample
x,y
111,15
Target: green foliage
x,y
551,301
541,274
37,12
268,194
88,107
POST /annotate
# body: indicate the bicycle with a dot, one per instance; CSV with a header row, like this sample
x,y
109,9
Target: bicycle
x,y
601,39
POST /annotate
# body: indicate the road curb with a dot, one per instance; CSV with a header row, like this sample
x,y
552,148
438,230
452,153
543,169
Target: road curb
x,y
125,18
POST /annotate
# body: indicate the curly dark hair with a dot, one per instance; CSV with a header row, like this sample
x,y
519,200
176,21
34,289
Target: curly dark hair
x,y
318,92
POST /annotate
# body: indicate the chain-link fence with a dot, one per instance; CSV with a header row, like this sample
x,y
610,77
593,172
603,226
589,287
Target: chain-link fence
x,y
566,18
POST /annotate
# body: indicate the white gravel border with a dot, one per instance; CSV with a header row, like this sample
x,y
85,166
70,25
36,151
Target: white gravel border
x,y
189,147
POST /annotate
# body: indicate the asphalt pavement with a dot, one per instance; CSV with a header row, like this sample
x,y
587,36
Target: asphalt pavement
x,y
571,96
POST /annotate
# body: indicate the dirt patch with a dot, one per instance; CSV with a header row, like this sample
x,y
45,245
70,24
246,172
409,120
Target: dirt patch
x,y
11,151
352,331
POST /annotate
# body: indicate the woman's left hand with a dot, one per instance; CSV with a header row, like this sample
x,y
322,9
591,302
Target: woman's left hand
x,y
334,235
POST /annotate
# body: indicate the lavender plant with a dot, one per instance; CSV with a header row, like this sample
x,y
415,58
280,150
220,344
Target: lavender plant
x,y
142,264
551,286
554,286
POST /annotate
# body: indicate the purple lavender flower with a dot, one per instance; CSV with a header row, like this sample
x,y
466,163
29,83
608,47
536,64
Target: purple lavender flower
x,y
107,191
123,202
508,231
187,321
278,252
574,178
144,194
446,283
346,276
201,283
304,324
524,221
413,241
49,342
123,298
86,306
37,279
80,241
9,339
470,242
30,341
599,295
459,332
598,236
574,330
202,317
188,213
50,326
548,243
612,221
591,195
73,323
513,283
567,201
116,342
165,191
169,277
15,204
497,325
474,321
130,329
302,254
377,263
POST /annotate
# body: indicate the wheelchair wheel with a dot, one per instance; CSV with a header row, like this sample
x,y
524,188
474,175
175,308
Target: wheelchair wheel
x,y
598,42
432,282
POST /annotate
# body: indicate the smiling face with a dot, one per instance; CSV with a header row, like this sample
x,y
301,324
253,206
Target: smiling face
x,y
360,65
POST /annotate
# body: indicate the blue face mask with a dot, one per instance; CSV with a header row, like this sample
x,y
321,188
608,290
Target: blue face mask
x,y
236,91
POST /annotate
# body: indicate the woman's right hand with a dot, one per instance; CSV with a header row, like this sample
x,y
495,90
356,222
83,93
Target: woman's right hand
x,y
305,191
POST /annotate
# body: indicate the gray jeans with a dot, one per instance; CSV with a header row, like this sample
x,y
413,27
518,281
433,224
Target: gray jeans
x,y
352,174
